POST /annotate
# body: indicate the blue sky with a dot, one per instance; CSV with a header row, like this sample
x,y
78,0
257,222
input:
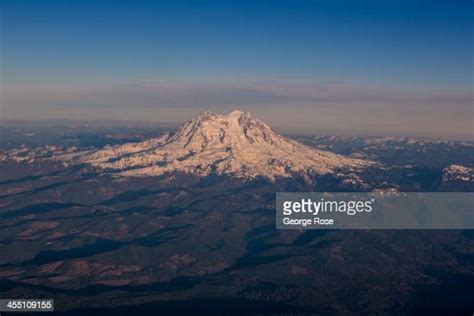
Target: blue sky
x,y
258,54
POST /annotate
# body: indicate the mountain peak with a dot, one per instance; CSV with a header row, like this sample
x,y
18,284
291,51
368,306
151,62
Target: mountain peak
x,y
237,113
234,144
211,130
233,115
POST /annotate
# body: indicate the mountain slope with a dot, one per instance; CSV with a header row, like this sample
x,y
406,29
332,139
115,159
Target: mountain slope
x,y
235,144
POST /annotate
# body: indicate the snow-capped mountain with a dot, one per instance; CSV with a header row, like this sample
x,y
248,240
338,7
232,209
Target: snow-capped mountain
x,y
457,178
457,173
234,144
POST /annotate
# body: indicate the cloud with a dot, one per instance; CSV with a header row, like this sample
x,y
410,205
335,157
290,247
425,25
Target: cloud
x,y
340,105
190,94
